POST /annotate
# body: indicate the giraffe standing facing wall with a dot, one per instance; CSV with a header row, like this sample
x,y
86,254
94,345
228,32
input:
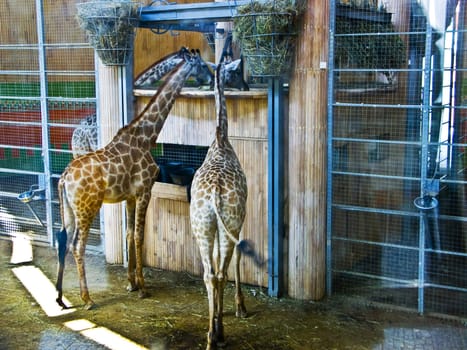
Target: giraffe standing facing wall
x,y
122,170
217,211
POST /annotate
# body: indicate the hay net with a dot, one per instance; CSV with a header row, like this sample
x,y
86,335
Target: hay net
x,y
266,32
110,28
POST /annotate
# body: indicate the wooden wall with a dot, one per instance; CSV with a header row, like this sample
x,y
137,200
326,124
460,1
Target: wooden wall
x,y
18,25
307,136
149,47
169,243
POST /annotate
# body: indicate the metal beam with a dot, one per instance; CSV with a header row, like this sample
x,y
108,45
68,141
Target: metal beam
x,y
200,17
275,187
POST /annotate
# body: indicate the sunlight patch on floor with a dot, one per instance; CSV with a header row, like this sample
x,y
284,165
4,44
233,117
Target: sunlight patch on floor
x,y
22,249
41,289
102,335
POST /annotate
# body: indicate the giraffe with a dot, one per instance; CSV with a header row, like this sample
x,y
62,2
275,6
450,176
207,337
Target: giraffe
x,y
122,170
155,71
85,139
217,211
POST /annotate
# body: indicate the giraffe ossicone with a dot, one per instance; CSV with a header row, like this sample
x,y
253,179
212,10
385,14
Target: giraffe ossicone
x,y
122,170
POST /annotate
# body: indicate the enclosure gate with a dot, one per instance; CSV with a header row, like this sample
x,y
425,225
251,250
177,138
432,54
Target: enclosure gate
x,y
397,189
47,78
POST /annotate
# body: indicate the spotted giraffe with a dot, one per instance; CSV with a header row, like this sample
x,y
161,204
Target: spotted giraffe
x,y
85,136
84,139
122,170
155,72
217,211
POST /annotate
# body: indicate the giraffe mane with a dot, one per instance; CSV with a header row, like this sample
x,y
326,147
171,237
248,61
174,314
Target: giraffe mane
x,y
160,89
222,124
151,101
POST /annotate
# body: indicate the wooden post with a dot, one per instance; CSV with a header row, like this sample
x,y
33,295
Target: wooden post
x,y
307,156
114,104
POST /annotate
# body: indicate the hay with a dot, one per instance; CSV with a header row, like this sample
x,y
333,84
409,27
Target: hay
x,y
266,33
110,28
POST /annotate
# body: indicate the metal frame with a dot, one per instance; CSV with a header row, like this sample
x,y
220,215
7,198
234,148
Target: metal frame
x,y
44,117
43,100
421,109
275,187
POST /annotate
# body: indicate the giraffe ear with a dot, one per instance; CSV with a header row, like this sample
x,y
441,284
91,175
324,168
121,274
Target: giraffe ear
x,y
233,65
211,65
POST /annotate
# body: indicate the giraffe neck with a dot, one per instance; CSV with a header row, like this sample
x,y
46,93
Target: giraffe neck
x,y
146,127
159,69
221,108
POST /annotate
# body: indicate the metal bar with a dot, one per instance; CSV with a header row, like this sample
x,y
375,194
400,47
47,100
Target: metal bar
x,y
377,105
378,244
44,117
330,126
404,213
389,177
424,164
275,187
22,172
197,17
374,210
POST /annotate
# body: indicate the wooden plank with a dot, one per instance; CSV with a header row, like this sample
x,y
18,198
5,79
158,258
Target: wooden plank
x,y
168,230
169,191
307,157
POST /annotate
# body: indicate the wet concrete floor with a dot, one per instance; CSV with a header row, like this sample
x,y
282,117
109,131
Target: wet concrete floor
x,y
174,316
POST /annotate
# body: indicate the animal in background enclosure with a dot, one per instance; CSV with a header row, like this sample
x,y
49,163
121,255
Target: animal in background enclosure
x,y
217,211
122,170
84,139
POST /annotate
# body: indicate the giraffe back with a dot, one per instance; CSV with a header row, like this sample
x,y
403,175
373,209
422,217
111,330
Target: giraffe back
x,y
220,181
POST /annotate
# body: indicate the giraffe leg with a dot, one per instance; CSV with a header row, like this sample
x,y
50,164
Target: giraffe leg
x,y
239,299
130,237
219,300
78,248
210,282
140,218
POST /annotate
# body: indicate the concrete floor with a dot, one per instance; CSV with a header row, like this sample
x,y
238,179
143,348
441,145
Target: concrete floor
x,y
174,316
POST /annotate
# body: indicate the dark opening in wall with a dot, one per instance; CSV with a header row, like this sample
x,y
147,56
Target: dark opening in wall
x,y
178,163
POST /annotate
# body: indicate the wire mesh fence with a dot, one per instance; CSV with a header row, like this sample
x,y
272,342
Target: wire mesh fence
x,y
46,89
398,167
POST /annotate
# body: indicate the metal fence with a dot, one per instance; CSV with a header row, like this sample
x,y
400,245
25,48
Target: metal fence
x,y
397,210
47,80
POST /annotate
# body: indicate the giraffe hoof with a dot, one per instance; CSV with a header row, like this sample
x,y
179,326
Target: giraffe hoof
x,y
142,294
241,313
89,305
131,288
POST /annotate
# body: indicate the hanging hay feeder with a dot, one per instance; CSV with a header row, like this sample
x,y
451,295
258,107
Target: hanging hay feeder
x,y
266,33
110,28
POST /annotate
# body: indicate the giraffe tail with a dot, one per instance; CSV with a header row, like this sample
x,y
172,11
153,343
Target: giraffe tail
x,y
246,246
61,238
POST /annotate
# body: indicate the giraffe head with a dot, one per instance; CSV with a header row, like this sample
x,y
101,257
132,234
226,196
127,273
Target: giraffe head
x,y
202,74
201,71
